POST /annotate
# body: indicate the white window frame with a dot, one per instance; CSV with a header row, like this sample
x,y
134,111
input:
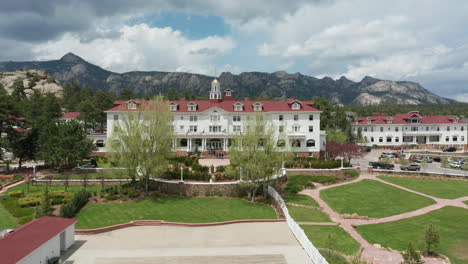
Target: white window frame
x,y
192,107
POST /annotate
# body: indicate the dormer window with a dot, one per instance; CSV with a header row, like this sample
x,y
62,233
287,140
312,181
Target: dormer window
x,y
295,106
257,107
389,120
369,121
238,107
192,107
173,107
132,105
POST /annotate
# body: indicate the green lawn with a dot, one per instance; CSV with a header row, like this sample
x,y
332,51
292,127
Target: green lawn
x,y
6,219
448,189
174,209
301,214
40,188
339,241
451,221
300,199
372,198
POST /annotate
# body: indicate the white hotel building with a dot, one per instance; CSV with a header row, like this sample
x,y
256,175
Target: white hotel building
x,y
209,125
412,128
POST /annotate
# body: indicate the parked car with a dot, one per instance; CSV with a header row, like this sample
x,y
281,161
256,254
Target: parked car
x,y
398,155
437,159
428,159
449,149
367,149
381,165
416,159
456,164
387,155
410,167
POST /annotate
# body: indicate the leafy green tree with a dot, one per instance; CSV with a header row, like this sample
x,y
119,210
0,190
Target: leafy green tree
x,y
256,152
431,238
411,255
71,96
22,143
142,141
127,94
64,144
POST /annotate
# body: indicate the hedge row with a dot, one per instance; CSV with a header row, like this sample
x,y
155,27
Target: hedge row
x,y
313,163
70,209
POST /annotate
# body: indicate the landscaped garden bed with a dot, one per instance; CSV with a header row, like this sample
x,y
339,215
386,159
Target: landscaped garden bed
x,y
314,163
450,221
447,189
373,199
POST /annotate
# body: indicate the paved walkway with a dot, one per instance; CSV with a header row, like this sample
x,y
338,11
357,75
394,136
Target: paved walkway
x,y
259,243
371,252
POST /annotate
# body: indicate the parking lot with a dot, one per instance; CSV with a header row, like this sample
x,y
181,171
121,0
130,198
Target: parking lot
x,y
434,167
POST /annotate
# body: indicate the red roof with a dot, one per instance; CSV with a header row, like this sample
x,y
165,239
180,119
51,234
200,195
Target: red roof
x,y
228,105
71,115
28,237
403,119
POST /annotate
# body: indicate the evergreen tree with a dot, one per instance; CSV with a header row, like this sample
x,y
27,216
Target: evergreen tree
x,y
431,238
127,94
411,256
45,208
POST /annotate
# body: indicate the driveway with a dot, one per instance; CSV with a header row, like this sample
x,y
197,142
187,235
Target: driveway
x,y
228,244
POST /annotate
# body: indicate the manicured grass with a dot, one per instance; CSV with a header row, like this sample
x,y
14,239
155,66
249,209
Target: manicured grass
x,y
448,189
301,214
452,223
340,240
313,178
40,188
174,209
333,257
21,215
300,199
372,198
6,219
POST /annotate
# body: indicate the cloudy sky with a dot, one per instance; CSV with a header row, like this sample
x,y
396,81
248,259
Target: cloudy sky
x,y
419,40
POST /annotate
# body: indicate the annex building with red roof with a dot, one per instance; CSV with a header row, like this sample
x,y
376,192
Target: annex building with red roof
x,y
38,241
210,125
412,128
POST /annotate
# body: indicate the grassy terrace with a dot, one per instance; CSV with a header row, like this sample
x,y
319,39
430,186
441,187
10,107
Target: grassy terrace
x,y
372,198
451,222
301,214
448,189
6,219
300,199
174,209
340,240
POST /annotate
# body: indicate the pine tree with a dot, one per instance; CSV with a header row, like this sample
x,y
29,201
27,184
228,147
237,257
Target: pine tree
x,y
411,256
431,238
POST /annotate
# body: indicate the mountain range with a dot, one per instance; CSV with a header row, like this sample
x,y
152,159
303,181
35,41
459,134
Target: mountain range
x,y
278,85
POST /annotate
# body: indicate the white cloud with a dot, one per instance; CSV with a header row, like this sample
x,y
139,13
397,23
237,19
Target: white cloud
x,y
140,47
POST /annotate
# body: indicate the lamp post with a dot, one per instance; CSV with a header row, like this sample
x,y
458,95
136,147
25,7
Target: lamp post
x,y
341,161
181,174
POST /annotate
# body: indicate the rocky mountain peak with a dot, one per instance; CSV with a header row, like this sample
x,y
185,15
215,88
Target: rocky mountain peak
x,y
72,58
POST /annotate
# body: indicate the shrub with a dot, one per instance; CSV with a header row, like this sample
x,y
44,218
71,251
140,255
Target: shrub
x,y
71,208
293,188
112,197
133,194
220,169
15,193
56,200
351,174
24,219
31,200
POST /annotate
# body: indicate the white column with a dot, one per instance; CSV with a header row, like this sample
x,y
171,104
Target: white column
x,y
203,144
188,144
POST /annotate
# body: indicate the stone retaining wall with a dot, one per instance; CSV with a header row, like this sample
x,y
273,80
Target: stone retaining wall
x,y
207,189
321,172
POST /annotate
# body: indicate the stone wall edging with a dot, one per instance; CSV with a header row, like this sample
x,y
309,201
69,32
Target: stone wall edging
x,y
162,222
415,174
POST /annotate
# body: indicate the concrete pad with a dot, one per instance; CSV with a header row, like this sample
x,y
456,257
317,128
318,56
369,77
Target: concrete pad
x,y
235,243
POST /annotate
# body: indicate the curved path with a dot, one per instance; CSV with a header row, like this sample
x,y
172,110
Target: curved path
x,y
369,251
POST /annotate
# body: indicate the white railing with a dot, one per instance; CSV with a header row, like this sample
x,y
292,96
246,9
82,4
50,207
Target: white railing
x,y
300,235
